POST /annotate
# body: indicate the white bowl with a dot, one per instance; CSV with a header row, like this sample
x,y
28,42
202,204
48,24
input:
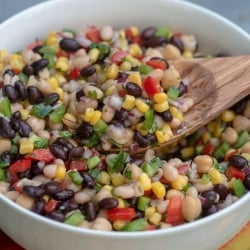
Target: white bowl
x,y
214,33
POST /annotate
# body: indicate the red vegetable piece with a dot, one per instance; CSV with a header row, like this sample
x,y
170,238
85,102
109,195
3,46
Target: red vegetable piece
x,y
118,56
121,214
50,206
208,149
183,169
79,165
227,156
19,166
157,64
74,74
235,172
174,211
42,154
93,34
34,44
151,86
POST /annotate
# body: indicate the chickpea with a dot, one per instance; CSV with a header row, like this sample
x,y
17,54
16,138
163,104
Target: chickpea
x,y
175,123
191,208
241,123
170,172
49,171
171,52
108,113
81,62
150,52
102,224
156,74
192,191
230,135
204,163
173,192
171,77
4,187
25,201
12,195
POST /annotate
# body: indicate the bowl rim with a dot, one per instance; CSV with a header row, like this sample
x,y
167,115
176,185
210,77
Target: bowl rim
x,y
125,235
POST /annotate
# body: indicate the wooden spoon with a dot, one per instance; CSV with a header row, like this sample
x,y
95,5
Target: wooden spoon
x,y
215,84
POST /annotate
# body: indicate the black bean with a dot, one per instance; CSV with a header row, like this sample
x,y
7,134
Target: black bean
x,y
28,70
79,94
35,96
133,89
9,157
90,210
247,182
210,196
88,180
182,89
177,42
58,151
211,210
52,187
107,203
64,195
21,90
33,191
52,99
121,115
9,72
39,65
76,152
84,131
37,168
64,142
69,44
238,161
17,115
56,215
144,141
148,33
67,206
240,106
155,42
123,75
221,190
6,130
166,116
37,48
38,207
14,123
133,202
24,128
88,71
139,214
10,92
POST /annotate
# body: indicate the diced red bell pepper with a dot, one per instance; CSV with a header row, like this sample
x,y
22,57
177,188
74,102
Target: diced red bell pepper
x,y
79,165
34,44
157,64
122,92
50,206
118,56
227,156
151,227
151,86
235,172
174,211
208,149
93,34
41,154
121,214
19,166
74,74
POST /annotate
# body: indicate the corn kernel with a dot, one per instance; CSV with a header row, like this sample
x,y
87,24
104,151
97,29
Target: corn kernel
x,y
129,102
158,189
1,66
88,114
160,136
107,187
180,183
246,156
126,66
211,126
187,152
3,53
60,172
141,105
104,178
60,92
215,175
26,147
145,182
69,120
134,30
112,71
95,117
176,113
24,114
46,197
51,40
62,64
16,62
53,83
155,219
135,62
167,130
119,224
60,78
135,78
187,54
93,55
217,130
117,179
160,97
161,107
134,50
138,127
227,116
149,212
110,90
206,137
121,203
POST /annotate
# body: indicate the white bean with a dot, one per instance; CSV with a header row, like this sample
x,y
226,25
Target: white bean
x,y
101,224
106,32
25,201
12,195
203,163
162,206
108,113
5,145
49,171
191,208
36,124
90,90
170,172
125,191
230,135
103,193
4,187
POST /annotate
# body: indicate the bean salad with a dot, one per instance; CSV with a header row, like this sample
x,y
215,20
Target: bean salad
x,y
72,101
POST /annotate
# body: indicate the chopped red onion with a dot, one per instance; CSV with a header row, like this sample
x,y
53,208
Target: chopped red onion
x,y
83,41
134,147
115,102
